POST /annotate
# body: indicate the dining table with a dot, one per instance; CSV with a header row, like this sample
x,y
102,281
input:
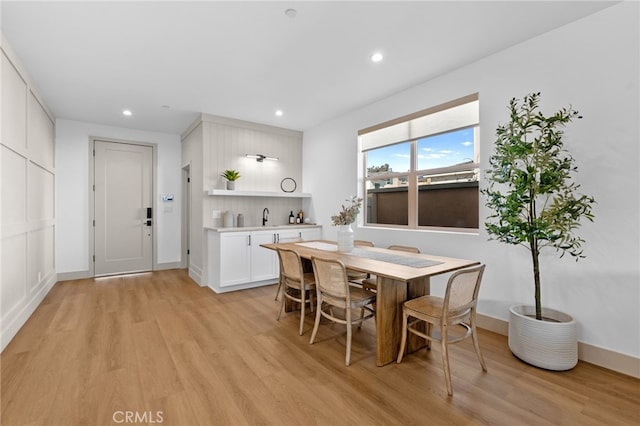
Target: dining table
x,y
400,276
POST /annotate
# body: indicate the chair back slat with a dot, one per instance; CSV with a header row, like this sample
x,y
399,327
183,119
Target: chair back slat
x,y
290,264
462,288
408,249
331,277
363,243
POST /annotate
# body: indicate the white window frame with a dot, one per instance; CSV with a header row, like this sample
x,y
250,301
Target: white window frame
x,y
393,132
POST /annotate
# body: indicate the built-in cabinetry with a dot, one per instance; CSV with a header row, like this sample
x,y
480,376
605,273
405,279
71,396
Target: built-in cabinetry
x,y
237,261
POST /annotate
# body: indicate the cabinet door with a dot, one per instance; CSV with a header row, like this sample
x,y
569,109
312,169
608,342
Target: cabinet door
x,y
235,258
264,262
311,234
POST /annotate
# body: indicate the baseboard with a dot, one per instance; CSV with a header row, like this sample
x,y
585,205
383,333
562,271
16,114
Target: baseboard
x,y
616,361
21,317
80,275
76,275
168,265
195,274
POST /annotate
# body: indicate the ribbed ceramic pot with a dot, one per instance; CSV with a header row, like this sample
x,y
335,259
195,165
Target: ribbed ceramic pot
x,y
551,344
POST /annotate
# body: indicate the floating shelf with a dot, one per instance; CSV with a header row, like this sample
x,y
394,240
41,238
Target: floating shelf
x,y
235,193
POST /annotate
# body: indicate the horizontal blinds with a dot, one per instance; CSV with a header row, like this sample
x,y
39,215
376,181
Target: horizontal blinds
x,y
433,121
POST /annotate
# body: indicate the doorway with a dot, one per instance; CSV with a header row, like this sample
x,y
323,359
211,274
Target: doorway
x,y
123,207
186,214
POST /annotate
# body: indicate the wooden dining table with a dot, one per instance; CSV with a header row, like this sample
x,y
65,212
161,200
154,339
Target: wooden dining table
x,y
400,276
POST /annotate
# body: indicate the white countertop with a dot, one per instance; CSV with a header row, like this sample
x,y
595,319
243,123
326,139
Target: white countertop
x,y
263,228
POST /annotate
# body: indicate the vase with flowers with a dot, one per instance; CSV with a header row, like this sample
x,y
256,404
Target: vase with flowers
x,y
343,221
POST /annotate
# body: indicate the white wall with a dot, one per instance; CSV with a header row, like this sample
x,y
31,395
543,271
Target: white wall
x,y
72,192
591,64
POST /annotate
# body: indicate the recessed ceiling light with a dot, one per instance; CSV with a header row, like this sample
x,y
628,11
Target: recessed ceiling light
x,y
376,57
279,113
291,13
127,112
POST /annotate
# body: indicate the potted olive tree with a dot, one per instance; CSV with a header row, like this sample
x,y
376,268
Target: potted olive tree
x,y
535,204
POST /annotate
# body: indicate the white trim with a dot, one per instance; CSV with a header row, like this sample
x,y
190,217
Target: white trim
x,y
75,275
168,265
10,330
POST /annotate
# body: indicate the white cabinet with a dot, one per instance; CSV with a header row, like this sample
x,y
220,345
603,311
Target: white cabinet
x,y
237,261
235,258
264,263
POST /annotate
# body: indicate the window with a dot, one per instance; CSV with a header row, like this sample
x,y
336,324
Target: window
x,y
422,170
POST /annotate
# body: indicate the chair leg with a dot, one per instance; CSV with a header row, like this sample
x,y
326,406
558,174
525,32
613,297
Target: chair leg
x,y
476,344
347,360
303,308
361,318
317,323
445,358
278,289
403,341
282,304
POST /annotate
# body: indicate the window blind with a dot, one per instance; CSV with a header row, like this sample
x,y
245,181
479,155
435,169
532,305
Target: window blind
x,y
458,114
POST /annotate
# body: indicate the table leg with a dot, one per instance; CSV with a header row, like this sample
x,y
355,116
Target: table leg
x,y
390,296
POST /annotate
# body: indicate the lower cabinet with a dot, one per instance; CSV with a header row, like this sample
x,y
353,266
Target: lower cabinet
x,y
234,251
264,263
237,261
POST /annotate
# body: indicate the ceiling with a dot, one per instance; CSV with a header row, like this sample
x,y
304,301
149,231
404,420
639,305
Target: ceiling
x,y
169,61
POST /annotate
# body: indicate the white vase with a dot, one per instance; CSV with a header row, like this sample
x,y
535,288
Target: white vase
x,y
550,344
345,238
231,185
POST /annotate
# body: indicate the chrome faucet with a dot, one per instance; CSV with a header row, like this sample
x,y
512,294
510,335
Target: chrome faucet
x,y
265,216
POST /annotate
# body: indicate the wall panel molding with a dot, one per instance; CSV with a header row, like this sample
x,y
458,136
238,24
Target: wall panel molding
x,y
27,206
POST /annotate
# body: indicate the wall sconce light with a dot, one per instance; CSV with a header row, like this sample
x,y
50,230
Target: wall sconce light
x,y
260,158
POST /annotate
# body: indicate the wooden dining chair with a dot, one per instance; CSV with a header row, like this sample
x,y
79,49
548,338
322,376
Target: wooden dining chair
x,y
371,283
280,278
297,285
357,276
333,290
458,307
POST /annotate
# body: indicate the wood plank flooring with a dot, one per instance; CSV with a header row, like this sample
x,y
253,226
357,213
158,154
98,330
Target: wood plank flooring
x,y
161,350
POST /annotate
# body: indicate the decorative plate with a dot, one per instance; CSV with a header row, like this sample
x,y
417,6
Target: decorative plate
x,y
288,185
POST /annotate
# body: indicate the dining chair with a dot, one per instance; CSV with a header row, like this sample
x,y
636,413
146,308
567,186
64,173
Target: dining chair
x,y
458,307
371,283
357,276
333,290
297,285
296,240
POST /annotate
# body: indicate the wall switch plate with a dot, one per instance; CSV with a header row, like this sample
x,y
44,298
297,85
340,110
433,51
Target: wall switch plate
x,y
216,214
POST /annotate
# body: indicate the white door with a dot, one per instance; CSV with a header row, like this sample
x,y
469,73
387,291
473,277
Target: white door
x,y
123,228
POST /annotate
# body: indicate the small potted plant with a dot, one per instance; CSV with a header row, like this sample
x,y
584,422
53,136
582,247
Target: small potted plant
x,y
231,176
343,221
535,204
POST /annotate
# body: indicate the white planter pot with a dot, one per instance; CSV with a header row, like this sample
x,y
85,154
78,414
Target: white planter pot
x,y
231,185
345,238
552,345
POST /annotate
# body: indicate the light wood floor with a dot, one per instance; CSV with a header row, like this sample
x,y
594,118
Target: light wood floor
x,y
170,352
